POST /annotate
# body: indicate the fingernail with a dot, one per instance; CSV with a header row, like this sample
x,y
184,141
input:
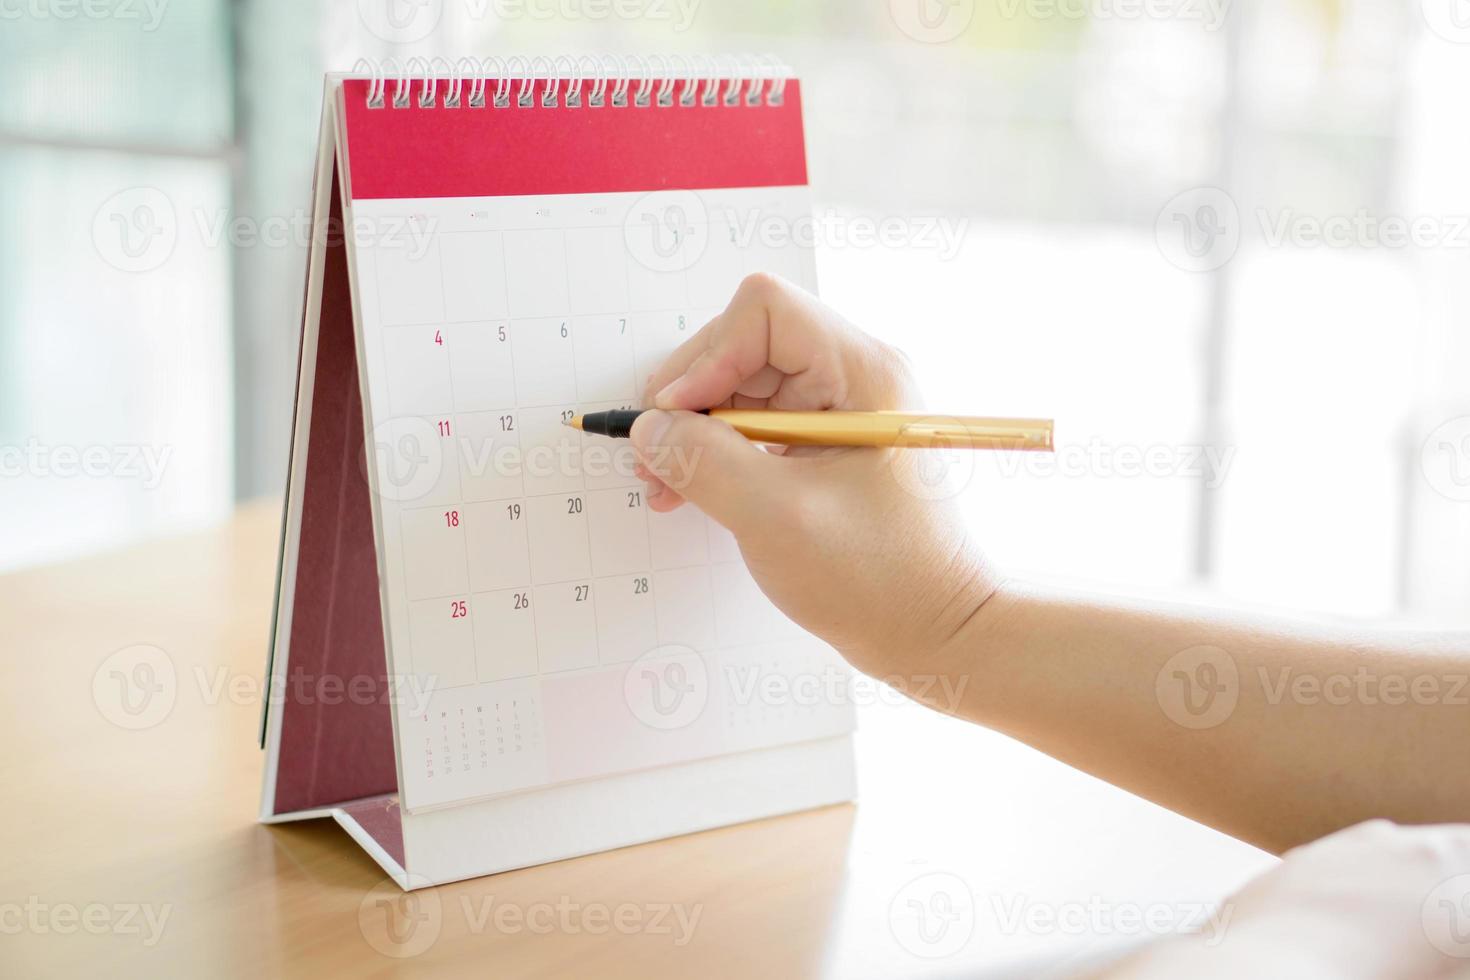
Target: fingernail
x,y
649,430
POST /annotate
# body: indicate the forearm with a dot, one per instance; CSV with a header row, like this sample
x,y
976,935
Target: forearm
x,y
1275,733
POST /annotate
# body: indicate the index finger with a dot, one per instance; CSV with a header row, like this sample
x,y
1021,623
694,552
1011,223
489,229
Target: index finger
x,y
743,347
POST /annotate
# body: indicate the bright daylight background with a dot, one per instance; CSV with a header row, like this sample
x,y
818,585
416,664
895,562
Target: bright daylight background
x,y
1053,133
1099,279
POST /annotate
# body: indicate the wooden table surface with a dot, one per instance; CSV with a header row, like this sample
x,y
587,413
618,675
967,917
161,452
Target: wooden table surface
x,y
134,851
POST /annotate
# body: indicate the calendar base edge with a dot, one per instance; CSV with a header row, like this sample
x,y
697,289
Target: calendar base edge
x,y
367,842
575,819
381,838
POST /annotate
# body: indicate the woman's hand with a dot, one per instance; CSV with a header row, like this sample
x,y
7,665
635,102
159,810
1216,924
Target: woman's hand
x,y
1275,732
831,535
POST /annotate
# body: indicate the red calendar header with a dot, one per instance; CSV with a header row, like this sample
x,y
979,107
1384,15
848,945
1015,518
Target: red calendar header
x,y
498,152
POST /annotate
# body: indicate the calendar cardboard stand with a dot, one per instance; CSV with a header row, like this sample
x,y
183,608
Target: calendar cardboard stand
x,y
342,729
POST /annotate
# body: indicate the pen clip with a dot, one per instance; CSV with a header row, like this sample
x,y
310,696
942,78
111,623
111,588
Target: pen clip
x,y
937,433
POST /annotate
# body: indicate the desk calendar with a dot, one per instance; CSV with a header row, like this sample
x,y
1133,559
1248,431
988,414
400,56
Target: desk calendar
x,y
530,663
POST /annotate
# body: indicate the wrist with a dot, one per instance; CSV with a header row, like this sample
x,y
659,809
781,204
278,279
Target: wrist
x,y
961,654
960,632
935,663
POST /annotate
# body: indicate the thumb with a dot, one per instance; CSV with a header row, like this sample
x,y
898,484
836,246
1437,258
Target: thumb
x,y
708,463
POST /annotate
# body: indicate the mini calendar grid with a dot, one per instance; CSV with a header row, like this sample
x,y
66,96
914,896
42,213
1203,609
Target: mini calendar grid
x,y
561,669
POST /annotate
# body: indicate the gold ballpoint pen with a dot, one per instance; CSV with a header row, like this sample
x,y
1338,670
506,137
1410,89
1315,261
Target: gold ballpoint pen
x,y
912,430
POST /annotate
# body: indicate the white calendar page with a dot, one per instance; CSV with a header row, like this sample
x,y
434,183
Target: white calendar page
x,y
565,630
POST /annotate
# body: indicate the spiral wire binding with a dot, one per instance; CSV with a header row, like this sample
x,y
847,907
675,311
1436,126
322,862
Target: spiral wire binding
x,y
660,81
